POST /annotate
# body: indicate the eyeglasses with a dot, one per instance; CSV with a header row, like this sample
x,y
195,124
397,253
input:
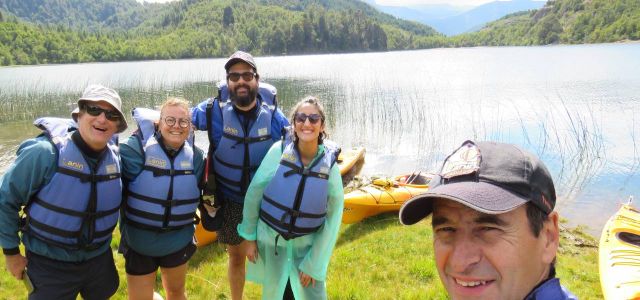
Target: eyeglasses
x,y
97,110
183,123
246,76
313,118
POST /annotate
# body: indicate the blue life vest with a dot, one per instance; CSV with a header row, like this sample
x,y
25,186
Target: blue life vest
x,y
295,201
165,195
78,208
238,153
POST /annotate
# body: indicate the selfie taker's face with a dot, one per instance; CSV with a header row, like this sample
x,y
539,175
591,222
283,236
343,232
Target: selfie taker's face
x,y
482,256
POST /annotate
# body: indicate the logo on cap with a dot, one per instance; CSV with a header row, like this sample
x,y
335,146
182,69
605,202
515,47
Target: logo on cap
x,y
464,161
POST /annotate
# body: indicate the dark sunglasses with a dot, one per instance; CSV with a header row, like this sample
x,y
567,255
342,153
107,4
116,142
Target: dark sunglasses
x,y
313,118
246,76
97,110
183,123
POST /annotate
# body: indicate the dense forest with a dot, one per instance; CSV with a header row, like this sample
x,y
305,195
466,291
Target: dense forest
x,y
70,31
198,28
562,22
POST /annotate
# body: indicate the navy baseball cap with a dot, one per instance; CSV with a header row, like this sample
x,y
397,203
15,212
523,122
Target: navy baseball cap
x,y
489,177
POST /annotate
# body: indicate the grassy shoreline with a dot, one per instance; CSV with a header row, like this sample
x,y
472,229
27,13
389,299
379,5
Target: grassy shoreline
x,y
375,257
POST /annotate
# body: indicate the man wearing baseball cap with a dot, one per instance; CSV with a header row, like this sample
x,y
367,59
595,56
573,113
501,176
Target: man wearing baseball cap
x,y
495,232
67,183
241,130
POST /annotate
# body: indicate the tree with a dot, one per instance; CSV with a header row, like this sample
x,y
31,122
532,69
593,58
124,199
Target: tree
x,y
227,17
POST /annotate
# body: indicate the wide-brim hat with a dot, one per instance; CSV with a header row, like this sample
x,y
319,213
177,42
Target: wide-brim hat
x,y
96,92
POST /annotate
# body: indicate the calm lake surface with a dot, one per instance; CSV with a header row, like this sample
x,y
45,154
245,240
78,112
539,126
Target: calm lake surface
x,y
577,107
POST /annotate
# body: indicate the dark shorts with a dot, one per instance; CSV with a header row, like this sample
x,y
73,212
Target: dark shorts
x,y
96,278
139,264
232,214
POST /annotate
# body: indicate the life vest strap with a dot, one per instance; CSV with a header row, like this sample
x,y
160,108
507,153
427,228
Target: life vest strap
x,y
291,212
159,218
153,228
53,230
164,202
246,139
76,246
88,177
164,172
66,211
295,169
295,230
237,167
221,178
104,233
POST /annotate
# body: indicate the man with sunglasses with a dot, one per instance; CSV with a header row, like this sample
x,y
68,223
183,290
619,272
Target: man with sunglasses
x,y
241,131
67,183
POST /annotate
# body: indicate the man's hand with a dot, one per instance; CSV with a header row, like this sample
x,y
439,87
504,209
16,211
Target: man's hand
x,y
15,264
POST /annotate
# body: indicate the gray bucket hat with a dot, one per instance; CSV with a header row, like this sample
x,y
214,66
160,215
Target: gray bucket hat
x,y
96,92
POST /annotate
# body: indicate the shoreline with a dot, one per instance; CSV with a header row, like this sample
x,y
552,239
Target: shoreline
x,y
625,41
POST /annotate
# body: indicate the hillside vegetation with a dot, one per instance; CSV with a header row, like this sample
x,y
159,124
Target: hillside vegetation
x,y
562,22
206,28
72,31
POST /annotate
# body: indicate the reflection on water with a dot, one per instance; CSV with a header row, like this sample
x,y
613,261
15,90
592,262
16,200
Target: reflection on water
x,y
577,107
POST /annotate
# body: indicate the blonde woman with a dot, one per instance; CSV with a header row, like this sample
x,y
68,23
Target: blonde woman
x,y
161,170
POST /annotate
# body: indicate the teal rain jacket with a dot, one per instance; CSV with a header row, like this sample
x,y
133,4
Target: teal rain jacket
x,y
310,253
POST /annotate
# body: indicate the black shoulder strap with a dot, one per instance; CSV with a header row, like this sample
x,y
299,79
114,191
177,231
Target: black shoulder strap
x,y
209,111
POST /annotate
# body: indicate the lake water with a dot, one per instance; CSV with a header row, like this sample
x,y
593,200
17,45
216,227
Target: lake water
x,y
577,107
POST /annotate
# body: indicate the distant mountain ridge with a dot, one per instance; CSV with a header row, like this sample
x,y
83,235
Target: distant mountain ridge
x,y
452,20
476,18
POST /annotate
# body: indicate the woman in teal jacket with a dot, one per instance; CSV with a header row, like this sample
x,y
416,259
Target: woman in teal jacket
x,y
293,209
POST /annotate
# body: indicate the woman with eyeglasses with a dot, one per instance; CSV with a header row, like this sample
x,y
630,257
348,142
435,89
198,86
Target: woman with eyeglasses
x,y
161,169
293,209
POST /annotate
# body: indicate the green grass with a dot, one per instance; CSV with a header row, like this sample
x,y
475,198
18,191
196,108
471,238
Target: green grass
x,y
374,259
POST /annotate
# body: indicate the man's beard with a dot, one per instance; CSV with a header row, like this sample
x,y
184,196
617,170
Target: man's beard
x,y
243,101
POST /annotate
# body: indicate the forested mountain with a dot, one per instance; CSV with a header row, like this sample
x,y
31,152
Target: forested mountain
x,y
81,14
215,28
564,22
207,28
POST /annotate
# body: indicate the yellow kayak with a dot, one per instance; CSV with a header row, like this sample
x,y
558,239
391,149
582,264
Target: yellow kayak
x,y
620,255
348,158
203,237
382,195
